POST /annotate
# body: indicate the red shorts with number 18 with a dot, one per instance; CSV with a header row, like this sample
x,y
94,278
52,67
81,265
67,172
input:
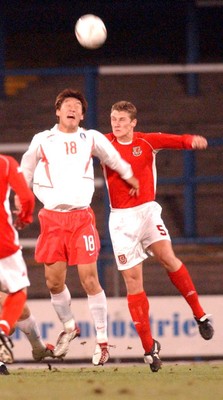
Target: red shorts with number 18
x,y
67,236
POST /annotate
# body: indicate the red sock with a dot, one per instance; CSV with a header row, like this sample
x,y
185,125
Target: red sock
x,y
11,310
139,309
183,282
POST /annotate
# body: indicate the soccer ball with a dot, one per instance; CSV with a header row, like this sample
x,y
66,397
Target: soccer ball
x,y
90,31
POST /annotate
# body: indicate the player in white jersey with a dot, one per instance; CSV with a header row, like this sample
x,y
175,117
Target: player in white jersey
x,y
59,165
136,226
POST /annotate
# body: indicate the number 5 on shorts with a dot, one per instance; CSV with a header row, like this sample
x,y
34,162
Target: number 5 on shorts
x,y
161,230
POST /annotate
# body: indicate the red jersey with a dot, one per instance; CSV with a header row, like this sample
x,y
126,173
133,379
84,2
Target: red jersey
x,y
141,155
12,177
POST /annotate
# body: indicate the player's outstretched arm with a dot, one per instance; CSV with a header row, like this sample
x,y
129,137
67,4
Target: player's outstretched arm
x,y
199,142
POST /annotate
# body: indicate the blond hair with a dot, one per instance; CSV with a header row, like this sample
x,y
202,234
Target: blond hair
x,y
125,106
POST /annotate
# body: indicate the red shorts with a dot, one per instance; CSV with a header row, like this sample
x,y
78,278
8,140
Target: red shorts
x,y
67,236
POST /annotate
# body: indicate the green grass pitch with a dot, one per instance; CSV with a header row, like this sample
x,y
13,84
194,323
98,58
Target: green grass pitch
x,y
195,381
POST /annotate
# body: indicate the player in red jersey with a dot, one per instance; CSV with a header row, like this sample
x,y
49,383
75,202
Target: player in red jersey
x,y
13,271
28,325
136,226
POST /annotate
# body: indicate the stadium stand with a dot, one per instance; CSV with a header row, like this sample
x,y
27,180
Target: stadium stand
x,y
164,106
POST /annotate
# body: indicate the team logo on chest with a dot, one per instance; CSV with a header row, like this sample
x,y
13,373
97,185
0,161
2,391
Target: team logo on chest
x,y
82,135
136,151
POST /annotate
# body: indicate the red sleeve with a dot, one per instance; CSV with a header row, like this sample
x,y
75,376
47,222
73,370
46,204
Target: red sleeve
x,y
109,135
170,141
17,182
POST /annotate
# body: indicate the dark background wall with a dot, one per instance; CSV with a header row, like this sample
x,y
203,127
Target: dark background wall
x,y
41,32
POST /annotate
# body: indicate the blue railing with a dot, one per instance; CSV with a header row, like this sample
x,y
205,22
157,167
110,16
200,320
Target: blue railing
x,y
189,180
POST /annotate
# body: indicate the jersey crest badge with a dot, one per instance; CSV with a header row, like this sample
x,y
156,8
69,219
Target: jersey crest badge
x,y
122,259
82,135
136,151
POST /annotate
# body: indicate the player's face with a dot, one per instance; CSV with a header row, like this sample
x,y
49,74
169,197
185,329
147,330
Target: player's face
x,y
70,114
122,125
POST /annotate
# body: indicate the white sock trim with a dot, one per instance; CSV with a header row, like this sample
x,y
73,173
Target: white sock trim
x,y
5,323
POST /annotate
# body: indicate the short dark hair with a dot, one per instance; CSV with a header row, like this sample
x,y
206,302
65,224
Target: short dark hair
x,y
66,93
125,106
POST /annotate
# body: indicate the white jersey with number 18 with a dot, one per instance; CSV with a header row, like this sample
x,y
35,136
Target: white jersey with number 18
x,y
60,166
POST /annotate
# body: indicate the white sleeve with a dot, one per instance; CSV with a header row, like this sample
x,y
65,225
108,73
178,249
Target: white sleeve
x,y
106,152
30,160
